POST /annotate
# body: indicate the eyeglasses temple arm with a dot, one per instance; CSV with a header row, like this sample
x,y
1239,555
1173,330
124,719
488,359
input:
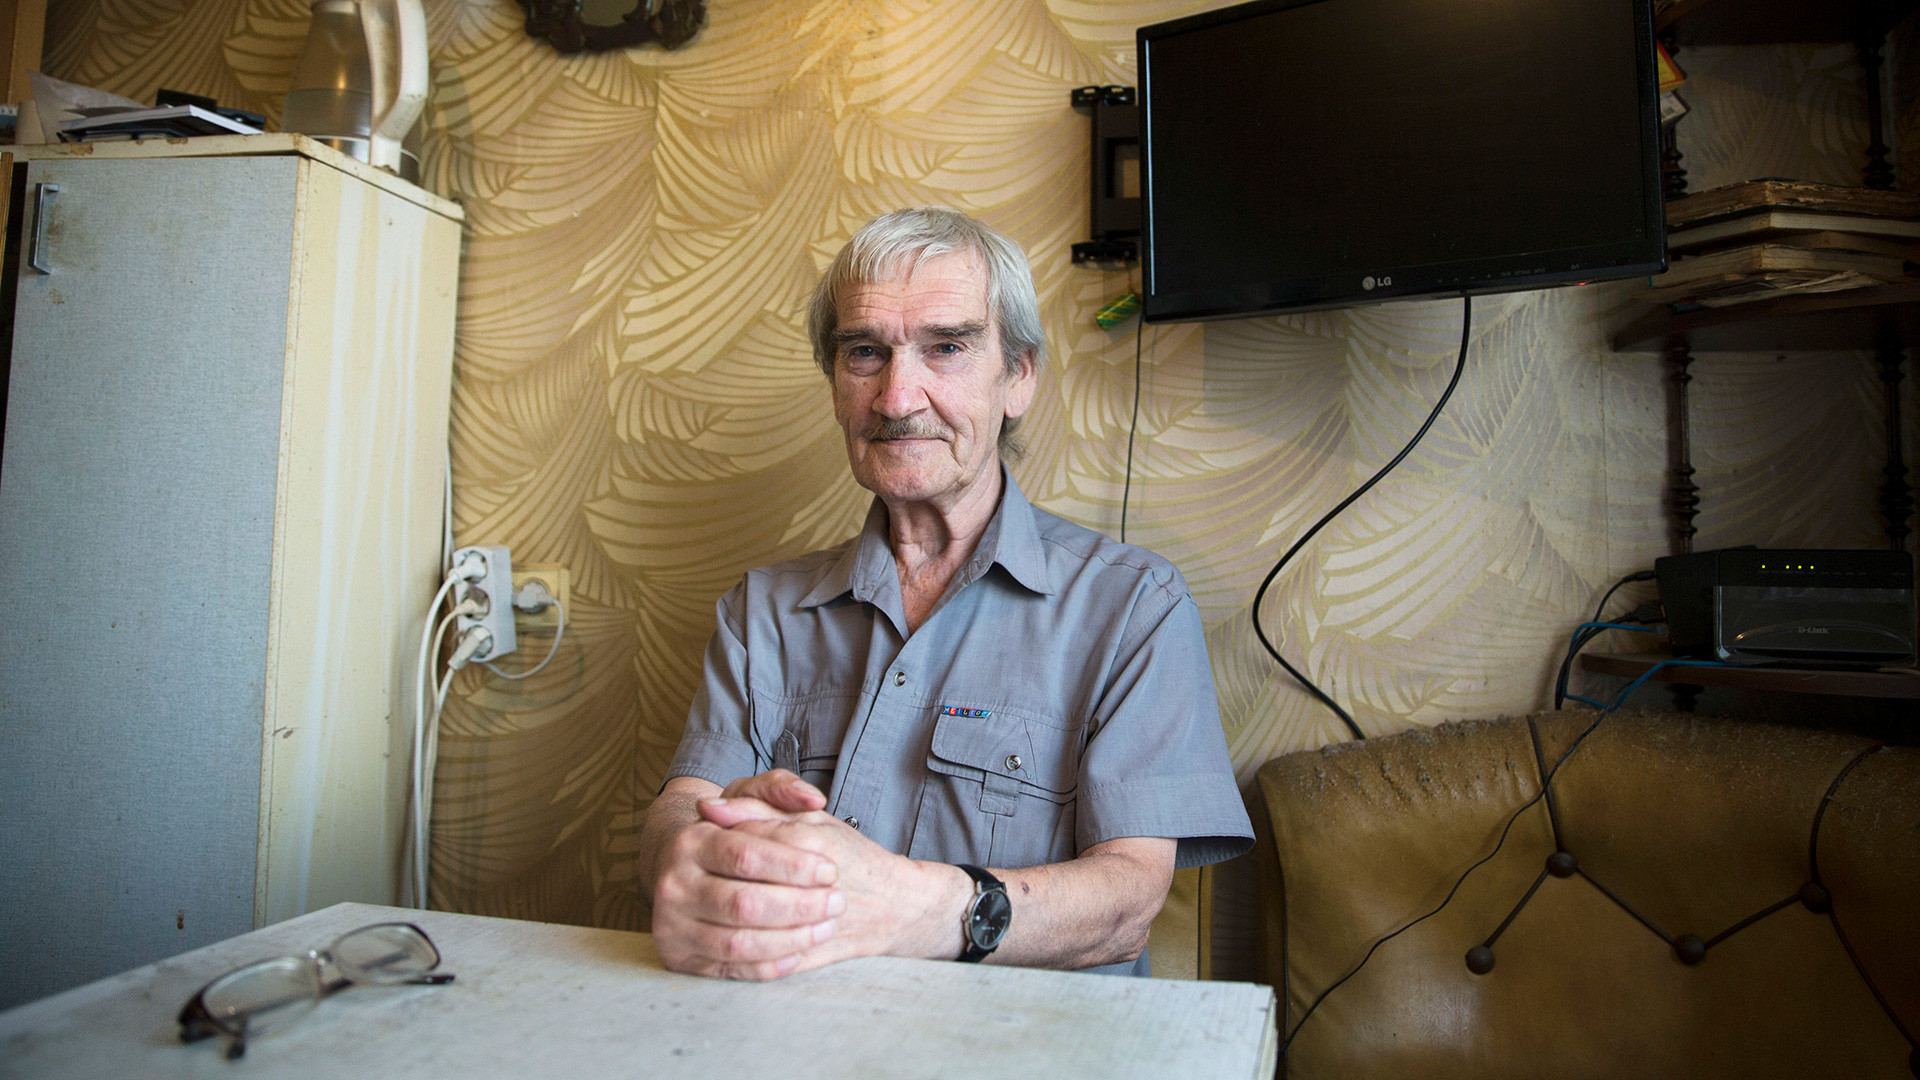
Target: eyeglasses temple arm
x,y
196,1022
437,978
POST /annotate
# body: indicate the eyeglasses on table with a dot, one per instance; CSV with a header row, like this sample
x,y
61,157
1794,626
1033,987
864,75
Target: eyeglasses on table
x,y
252,1000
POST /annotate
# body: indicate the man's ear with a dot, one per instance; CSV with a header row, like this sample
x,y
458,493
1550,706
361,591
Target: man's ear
x,y
1021,385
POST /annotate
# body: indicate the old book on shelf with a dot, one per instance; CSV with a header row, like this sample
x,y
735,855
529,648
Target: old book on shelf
x,y
1757,196
1907,251
1800,228
1761,271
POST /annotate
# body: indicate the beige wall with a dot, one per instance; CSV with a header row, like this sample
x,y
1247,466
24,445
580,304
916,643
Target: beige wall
x,y
634,396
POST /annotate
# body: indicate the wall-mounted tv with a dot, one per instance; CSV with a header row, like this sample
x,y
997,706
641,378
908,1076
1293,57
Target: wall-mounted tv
x,y
1304,154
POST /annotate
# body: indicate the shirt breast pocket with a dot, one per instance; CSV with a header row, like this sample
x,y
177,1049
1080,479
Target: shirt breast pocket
x,y
805,736
1000,786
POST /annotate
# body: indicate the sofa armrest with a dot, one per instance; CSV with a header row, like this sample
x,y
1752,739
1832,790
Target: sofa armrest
x,y
1679,825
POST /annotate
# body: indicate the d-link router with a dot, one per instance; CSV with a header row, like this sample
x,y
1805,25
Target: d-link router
x,y
1801,606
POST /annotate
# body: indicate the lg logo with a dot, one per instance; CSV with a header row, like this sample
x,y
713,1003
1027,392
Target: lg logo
x,y
1370,282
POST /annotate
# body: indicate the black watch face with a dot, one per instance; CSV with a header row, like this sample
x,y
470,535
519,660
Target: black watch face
x,y
987,922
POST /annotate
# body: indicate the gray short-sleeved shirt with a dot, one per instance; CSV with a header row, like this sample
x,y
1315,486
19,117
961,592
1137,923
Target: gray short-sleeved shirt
x,y
1059,696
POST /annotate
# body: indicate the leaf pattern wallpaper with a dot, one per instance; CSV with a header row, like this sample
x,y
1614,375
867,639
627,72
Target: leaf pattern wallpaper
x,y
635,400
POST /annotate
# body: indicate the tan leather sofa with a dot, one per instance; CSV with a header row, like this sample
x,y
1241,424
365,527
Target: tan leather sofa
x,y
1694,825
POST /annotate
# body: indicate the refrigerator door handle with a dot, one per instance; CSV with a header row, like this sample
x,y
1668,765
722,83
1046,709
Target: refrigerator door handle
x,y
42,209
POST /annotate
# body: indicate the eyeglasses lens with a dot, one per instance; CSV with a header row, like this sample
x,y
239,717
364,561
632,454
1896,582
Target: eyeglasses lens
x,y
262,996
384,954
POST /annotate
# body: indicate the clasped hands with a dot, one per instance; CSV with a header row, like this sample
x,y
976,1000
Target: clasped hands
x,y
766,883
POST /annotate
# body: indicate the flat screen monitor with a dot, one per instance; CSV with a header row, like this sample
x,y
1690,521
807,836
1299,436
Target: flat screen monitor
x,y
1303,154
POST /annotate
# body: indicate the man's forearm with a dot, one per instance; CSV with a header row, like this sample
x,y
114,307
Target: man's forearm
x,y
674,809
1093,910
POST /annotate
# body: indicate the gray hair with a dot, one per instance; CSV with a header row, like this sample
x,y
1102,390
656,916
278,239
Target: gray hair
x,y
892,246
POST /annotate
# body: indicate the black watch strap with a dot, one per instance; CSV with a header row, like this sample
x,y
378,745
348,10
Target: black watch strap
x,y
987,917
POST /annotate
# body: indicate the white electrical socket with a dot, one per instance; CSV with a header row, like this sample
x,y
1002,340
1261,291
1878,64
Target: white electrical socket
x,y
559,581
497,585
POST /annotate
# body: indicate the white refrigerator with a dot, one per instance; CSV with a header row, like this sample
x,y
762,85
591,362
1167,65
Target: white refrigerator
x,y
220,524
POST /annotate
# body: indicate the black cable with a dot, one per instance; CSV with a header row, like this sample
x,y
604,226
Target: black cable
x,y
1580,642
1833,911
1460,365
1139,328
1462,880
1601,607
1644,619
1566,664
1546,784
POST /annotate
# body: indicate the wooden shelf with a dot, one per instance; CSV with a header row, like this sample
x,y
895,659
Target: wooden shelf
x,y
1773,22
1857,319
1882,320
1777,680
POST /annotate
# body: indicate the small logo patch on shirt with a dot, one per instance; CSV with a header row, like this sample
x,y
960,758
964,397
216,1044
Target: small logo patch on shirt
x,y
955,710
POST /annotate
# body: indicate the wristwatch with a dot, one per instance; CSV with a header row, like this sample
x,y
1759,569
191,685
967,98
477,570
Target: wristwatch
x,y
987,918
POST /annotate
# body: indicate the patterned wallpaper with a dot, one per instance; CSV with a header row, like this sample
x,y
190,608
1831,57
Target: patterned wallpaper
x,y
634,396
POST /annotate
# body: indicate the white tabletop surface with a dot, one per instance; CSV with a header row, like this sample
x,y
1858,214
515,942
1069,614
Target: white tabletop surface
x,y
536,999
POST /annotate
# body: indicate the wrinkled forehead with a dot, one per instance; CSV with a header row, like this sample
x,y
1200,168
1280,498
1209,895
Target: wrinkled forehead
x,y
942,286
874,267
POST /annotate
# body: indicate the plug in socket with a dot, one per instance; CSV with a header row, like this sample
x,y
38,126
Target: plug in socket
x,y
558,580
497,585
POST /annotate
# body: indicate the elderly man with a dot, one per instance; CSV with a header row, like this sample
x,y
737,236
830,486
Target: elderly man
x,y
973,731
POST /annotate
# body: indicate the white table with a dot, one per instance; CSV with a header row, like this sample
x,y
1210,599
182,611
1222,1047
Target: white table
x,y
535,999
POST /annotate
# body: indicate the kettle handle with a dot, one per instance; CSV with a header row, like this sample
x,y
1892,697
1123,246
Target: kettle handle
x,y
396,33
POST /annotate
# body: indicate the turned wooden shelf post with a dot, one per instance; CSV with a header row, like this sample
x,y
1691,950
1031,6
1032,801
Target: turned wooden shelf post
x,y
1878,173
1683,495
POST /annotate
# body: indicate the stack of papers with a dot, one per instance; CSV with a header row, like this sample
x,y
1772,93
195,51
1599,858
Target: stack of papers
x,y
1776,193
170,122
1767,238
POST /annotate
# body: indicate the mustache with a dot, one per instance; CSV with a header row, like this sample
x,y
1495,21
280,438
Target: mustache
x,y
884,429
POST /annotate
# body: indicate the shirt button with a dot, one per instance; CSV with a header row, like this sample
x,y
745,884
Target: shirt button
x,y
899,678
1013,762
853,821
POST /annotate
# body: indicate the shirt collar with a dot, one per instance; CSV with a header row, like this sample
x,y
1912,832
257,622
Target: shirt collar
x,y
868,571
1012,539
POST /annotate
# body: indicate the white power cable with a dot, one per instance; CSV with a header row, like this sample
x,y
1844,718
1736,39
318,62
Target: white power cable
x,y
530,598
430,691
426,738
446,518
426,732
426,728
475,639
427,637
